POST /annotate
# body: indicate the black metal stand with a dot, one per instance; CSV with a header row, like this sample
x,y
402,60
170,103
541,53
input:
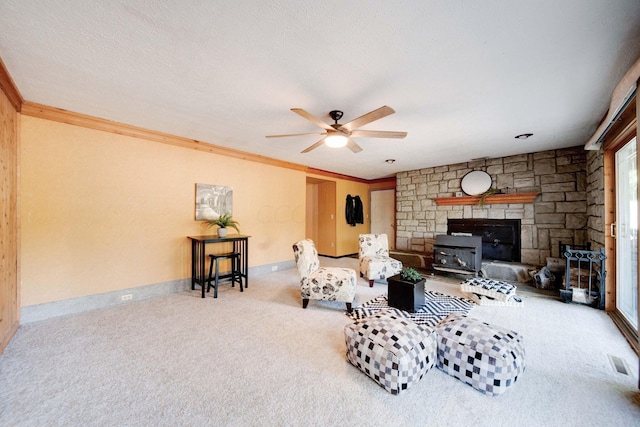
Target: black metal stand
x,y
593,264
198,255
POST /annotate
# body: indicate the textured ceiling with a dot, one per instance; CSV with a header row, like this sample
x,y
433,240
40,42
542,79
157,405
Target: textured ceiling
x,y
464,77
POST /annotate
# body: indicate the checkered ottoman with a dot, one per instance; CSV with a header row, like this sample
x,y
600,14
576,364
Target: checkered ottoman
x,y
488,358
393,351
495,289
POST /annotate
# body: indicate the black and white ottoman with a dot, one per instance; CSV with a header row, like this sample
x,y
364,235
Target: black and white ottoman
x,y
489,358
500,291
393,351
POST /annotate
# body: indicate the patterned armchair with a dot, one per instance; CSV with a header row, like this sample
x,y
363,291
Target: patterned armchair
x,y
322,283
375,263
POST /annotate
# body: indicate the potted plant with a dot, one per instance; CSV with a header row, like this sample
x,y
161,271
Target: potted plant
x,y
410,275
406,290
223,221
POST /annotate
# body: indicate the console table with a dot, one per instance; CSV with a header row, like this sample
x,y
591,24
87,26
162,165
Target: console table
x,y
198,256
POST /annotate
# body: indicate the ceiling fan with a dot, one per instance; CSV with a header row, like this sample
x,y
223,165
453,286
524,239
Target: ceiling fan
x,y
337,135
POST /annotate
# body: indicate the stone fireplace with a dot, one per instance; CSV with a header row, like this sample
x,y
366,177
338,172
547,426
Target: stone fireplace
x,y
557,214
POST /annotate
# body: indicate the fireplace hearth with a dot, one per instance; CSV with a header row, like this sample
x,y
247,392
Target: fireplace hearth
x,y
500,237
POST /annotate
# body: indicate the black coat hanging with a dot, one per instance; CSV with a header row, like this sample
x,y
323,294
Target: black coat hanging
x,y
353,210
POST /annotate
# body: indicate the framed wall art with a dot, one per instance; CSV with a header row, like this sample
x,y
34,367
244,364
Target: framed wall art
x,y
213,201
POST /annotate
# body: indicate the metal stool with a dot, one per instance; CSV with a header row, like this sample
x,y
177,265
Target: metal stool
x,y
234,275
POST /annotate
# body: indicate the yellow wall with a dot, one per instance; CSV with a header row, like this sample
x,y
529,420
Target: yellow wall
x,y
103,212
347,235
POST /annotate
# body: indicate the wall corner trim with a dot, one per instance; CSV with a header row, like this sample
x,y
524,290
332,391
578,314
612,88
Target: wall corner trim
x,y
10,89
10,333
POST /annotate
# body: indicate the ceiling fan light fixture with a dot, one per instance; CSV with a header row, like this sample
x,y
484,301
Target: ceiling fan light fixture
x,y
341,135
336,141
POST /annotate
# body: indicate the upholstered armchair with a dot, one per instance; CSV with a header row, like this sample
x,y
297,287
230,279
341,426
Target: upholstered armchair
x,y
375,263
322,283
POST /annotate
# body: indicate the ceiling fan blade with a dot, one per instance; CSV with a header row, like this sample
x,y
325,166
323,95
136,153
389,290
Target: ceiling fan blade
x,y
312,118
368,118
295,134
314,146
353,146
378,134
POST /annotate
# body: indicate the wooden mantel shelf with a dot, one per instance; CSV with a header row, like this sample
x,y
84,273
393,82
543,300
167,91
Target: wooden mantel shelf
x,y
488,200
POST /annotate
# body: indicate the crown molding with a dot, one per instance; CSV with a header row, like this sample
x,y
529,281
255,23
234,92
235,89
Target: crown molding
x,y
77,119
336,175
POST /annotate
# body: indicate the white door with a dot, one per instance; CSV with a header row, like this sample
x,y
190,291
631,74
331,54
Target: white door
x,y
383,213
627,233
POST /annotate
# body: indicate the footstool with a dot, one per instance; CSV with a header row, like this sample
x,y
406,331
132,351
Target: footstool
x,y
496,289
488,358
393,351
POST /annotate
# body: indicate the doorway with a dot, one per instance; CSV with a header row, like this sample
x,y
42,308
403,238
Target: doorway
x,y
383,214
626,233
321,214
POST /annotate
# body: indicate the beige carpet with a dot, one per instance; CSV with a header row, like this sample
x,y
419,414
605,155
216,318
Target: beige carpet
x,y
257,358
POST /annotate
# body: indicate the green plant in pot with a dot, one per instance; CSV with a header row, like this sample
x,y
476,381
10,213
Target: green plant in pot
x,y
223,221
410,275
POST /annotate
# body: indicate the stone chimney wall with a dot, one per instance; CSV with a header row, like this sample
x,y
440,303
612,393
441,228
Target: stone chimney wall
x,y
559,213
595,198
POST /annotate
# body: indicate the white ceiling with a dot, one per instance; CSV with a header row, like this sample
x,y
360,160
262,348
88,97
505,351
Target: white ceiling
x,y
464,77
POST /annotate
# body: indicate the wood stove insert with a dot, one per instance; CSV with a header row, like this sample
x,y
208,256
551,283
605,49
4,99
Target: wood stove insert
x,y
500,237
457,254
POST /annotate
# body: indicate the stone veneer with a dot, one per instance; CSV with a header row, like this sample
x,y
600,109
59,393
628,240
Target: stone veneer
x,y
595,198
559,213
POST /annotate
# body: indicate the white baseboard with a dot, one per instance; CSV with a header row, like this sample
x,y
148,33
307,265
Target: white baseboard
x,y
35,313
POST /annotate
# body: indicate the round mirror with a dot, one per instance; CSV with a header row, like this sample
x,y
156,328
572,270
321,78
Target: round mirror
x,y
475,183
